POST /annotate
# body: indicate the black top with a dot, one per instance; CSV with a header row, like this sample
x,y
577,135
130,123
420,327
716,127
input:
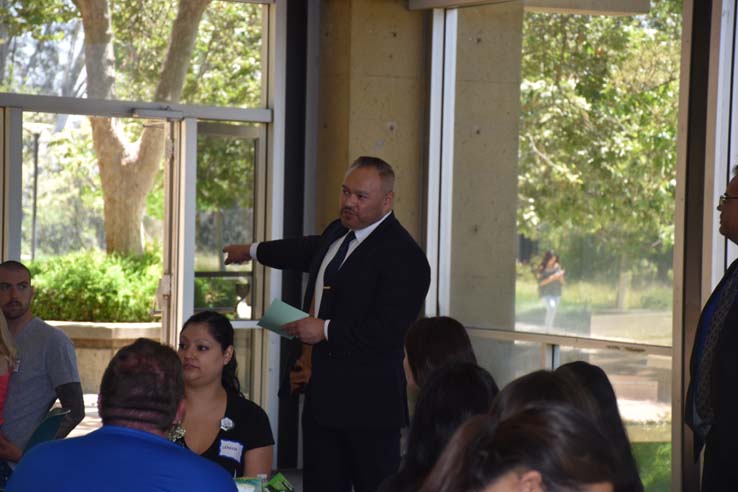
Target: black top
x,y
248,429
552,288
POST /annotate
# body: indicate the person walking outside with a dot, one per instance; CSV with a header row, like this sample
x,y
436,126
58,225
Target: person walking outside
x,y
550,277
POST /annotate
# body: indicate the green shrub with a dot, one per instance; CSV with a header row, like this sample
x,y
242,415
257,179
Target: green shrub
x,y
215,292
93,286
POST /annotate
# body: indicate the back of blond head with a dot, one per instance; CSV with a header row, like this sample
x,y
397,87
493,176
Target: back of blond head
x,y
8,351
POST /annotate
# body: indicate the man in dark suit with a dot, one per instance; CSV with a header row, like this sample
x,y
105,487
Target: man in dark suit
x,y
368,279
712,402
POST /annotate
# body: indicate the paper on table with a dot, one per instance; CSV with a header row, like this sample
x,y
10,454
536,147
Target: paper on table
x,y
280,313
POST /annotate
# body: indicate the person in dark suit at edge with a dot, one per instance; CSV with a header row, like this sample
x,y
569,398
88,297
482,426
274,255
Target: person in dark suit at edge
x,y
712,403
368,279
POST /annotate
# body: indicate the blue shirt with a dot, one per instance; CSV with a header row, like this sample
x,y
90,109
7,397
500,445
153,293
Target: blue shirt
x,y
117,459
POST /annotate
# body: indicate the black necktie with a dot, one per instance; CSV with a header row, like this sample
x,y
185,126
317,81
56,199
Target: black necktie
x,y
329,276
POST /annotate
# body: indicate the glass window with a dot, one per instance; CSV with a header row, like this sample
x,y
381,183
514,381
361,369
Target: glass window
x,y
596,177
78,206
565,141
496,356
156,53
642,385
72,215
226,170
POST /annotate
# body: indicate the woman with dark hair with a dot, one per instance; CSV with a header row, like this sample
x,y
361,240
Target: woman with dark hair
x,y
542,448
541,387
550,277
452,395
595,381
433,342
220,423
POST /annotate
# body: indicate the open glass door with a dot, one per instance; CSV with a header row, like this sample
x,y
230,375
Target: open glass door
x,y
88,222
230,184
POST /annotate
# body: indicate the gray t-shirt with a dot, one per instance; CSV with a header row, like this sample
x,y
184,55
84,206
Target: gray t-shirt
x,y
46,360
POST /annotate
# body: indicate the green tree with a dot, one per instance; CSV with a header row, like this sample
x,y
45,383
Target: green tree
x,y
197,51
598,129
30,33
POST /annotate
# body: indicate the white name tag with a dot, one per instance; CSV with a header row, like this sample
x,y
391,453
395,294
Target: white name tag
x,y
231,449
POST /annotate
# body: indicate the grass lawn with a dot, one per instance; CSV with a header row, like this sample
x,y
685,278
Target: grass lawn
x,y
654,465
593,296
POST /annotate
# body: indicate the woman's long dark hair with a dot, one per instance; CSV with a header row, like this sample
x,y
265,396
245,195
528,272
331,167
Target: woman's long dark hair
x,y
546,258
542,387
452,395
433,342
595,381
221,329
558,441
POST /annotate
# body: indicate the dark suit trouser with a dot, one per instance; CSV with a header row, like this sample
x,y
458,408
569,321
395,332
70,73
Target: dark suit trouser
x,y
337,459
719,472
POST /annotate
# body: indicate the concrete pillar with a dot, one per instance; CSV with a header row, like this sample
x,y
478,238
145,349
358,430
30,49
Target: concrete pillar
x,y
485,165
373,100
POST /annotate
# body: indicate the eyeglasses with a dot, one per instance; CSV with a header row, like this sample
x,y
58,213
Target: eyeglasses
x,y
725,197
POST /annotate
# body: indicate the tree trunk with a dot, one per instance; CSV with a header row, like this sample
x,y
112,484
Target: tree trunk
x,y
128,169
624,277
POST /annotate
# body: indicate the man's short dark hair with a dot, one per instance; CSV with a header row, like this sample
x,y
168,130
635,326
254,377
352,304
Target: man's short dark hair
x,y
13,265
386,173
142,386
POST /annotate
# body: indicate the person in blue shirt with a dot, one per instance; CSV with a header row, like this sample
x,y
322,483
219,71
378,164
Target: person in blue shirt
x,y
141,403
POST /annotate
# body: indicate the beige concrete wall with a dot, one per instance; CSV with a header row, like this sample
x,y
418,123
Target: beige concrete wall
x,y
96,343
373,99
485,165
374,79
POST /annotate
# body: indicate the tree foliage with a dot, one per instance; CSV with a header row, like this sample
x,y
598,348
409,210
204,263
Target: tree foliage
x,y
598,129
40,47
194,51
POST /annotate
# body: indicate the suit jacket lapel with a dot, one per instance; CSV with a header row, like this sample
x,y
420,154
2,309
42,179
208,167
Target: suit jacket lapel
x,y
369,243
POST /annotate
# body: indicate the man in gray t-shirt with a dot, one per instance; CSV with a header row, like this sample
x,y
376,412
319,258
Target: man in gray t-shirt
x,y
46,368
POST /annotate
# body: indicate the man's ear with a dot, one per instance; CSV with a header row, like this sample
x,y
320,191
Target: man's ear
x,y
531,481
388,200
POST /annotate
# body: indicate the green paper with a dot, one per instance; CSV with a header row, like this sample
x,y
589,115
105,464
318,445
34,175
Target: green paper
x,y
279,483
279,314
